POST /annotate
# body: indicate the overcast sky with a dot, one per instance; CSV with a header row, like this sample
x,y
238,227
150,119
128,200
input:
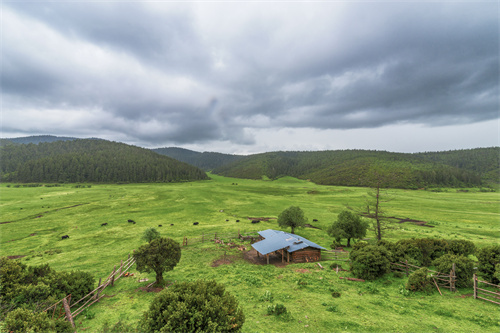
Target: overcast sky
x,y
248,77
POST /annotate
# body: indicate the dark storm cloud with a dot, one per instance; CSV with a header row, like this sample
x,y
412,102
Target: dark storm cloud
x,y
185,73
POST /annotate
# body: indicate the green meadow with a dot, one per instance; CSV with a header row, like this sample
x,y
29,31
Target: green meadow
x,y
33,219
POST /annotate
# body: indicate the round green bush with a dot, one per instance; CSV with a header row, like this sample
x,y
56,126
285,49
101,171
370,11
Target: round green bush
x,y
488,258
419,281
464,268
199,306
370,262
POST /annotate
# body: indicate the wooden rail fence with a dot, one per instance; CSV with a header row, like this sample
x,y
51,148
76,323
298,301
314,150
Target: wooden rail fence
x,y
489,295
335,255
446,280
251,236
92,297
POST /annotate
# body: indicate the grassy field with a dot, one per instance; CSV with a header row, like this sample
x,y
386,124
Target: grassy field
x,y
34,219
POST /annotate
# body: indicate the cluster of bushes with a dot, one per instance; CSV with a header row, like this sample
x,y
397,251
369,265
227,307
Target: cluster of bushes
x,y
25,290
373,261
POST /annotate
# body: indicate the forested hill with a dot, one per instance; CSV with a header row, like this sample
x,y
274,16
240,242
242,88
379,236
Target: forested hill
x,y
357,167
206,160
89,160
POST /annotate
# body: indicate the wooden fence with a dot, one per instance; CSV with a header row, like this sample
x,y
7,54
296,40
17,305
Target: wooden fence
x,y
440,279
489,295
92,297
334,255
251,236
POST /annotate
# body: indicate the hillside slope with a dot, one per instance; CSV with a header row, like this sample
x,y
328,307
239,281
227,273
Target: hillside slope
x,y
357,167
90,160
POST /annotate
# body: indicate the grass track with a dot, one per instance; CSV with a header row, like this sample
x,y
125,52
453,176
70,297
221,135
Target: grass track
x,y
40,216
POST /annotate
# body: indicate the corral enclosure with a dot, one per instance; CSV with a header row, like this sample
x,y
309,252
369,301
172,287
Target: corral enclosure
x,y
34,219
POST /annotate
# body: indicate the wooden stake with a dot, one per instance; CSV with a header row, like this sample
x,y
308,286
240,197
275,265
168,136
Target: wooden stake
x,y
113,276
475,286
437,286
68,312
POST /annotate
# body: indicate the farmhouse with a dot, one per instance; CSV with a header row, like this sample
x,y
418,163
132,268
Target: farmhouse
x,y
290,246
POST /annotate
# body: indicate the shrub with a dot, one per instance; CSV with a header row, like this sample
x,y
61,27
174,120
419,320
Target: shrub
x,y
24,320
488,258
461,247
370,262
193,307
276,310
419,281
464,268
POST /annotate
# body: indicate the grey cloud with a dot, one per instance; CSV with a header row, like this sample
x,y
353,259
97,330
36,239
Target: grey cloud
x,y
370,65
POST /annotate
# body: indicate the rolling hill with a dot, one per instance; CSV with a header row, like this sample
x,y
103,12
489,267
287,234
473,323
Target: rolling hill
x,y
358,167
90,160
206,160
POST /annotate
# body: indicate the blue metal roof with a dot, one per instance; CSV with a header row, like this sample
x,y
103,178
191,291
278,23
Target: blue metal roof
x,y
276,240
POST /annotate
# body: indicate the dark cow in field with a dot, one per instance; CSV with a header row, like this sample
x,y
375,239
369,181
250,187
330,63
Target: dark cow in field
x,y
102,225
237,220
131,221
64,237
171,224
196,223
160,225
315,220
255,221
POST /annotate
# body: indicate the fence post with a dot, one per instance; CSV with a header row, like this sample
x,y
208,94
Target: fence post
x,y
406,267
113,276
68,312
475,286
452,278
98,289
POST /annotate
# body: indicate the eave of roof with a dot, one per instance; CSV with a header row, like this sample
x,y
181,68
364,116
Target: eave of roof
x,y
275,240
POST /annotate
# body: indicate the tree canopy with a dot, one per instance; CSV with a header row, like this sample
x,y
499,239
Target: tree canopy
x,y
292,217
348,225
160,255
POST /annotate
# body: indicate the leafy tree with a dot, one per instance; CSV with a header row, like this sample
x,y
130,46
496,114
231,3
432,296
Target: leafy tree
x,y
199,306
292,217
151,234
24,320
370,262
488,258
161,255
348,225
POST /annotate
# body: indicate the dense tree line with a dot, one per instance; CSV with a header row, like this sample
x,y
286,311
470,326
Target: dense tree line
x,y
354,167
90,160
206,161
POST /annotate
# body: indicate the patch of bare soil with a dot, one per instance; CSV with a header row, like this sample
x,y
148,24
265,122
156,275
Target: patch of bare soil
x,y
15,257
222,261
261,218
150,289
302,270
253,258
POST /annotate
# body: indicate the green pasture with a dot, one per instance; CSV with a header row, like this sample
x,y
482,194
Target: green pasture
x,y
33,219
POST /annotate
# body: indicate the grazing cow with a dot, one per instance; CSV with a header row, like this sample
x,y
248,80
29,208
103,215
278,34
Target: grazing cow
x,y
64,237
255,221
159,225
104,224
171,224
315,220
227,220
237,220
131,221
196,223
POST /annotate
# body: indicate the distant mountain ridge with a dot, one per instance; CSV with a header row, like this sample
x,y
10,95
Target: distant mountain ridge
x,y
36,139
